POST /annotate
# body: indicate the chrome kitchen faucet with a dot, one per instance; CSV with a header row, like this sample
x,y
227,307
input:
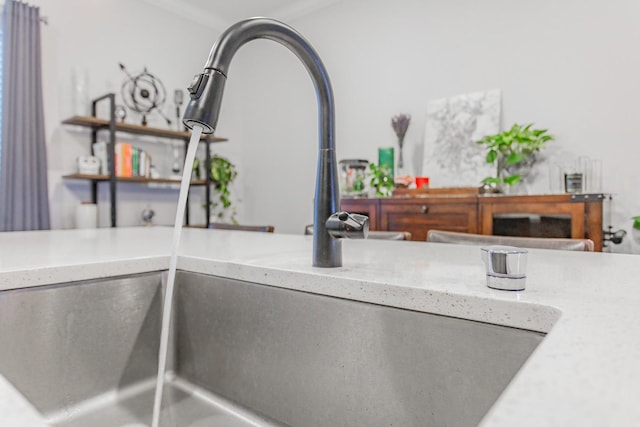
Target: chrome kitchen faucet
x,y
206,97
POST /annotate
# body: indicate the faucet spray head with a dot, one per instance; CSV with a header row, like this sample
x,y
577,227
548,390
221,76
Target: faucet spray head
x,y
206,92
347,225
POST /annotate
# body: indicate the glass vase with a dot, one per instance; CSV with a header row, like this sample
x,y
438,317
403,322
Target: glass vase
x,y
400,156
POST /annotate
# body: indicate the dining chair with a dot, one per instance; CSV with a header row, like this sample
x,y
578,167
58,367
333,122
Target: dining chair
x,y
373,234
224,226
441,236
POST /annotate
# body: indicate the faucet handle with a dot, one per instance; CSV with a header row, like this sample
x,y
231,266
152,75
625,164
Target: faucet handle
x,y
197,85
505,266
347,225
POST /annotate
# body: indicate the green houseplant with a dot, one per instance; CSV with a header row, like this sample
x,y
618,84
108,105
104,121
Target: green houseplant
x,y
222,173
381,179
513,152
635,232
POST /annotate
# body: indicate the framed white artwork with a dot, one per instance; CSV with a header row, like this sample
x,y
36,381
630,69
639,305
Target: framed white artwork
x,y
452,158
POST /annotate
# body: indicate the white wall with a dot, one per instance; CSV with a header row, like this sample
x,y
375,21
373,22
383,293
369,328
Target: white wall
x,y
569,66
91,38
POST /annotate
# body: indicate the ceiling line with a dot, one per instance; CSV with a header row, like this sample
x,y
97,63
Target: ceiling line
x,y
295,10
299,9
191,13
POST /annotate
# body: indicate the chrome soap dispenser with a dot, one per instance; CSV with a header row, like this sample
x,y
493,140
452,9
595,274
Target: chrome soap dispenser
x,y
506,267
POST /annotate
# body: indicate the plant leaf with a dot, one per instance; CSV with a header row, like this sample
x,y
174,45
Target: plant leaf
x,y
491,180
513,179
492,155
514,158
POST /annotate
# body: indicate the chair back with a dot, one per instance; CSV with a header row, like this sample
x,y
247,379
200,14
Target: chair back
x,y
223,226
377,235
441,236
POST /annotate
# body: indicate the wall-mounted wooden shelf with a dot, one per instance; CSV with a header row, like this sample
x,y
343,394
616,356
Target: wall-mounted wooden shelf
x,y
95,123
112,127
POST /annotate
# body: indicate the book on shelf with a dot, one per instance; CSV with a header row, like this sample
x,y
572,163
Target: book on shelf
x,y
130,161
126,168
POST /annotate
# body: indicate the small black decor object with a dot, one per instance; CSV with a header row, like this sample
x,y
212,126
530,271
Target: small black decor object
x,y
615,237
147,216
178,99
143,93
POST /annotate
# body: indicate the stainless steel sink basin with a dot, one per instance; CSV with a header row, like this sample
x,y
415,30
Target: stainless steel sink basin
x,y
85,354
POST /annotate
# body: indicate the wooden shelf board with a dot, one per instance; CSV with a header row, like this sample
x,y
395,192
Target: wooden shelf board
x,y
138,179
96,123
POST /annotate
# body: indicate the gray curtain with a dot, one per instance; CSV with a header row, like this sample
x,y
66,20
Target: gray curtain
x,y
24,196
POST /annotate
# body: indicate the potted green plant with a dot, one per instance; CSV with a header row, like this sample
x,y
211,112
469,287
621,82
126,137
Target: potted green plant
x,y
381,179
636,229
222,173
513,152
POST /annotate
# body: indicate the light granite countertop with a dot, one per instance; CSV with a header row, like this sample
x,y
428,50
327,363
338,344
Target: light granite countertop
x,y
584,373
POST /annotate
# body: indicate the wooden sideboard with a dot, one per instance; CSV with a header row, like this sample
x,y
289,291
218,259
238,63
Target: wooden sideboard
x,y
556,215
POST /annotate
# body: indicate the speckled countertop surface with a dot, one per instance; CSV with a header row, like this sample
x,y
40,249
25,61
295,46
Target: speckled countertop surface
x,y
585,372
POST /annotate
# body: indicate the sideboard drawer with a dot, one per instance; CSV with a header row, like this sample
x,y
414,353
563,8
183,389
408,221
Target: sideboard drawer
x,y
419,216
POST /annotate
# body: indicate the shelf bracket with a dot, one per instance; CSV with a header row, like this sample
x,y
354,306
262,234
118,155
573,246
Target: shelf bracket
x,y
111,153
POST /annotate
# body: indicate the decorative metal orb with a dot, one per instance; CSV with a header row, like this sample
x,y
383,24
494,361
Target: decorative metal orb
x,y
143,93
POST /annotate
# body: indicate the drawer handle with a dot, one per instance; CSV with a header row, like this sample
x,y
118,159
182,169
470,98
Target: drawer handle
x,y
424,209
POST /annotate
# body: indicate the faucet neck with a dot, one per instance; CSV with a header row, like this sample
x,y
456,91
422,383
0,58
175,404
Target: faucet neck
x,y
263,28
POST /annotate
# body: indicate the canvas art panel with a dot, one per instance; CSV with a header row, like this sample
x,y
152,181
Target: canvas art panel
x,y
452,158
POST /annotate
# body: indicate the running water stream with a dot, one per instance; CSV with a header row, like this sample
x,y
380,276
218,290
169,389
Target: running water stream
x,y
168,296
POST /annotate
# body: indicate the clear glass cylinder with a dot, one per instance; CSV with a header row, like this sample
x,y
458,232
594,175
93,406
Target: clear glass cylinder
x,y
596,176
584,167
80,93
353,177
555,179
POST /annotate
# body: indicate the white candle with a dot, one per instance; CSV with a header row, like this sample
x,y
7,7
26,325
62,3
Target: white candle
x,y
87,215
